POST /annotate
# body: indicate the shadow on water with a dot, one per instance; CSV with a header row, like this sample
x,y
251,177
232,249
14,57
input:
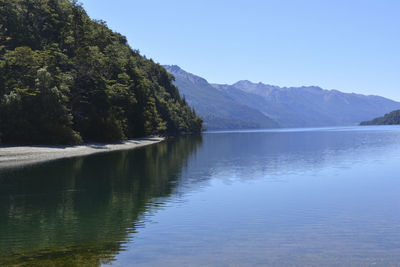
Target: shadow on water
x,y
82,211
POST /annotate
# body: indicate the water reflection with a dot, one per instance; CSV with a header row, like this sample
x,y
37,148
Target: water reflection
x,y
325,197
283,198
80,211
277,153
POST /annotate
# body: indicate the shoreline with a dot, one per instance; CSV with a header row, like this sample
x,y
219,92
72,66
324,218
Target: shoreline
x,y
16,156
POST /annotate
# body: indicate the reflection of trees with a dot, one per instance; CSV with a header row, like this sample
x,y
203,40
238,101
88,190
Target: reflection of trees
x,y
81,211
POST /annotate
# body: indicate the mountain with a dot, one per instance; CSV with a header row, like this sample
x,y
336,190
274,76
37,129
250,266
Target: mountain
x,y
392,118
305,106
218,109
314,106
65,78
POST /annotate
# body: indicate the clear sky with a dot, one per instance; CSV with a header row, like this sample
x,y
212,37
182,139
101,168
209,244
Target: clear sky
x,y
349,45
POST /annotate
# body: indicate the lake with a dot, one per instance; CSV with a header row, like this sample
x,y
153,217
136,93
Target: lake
x,y
288,197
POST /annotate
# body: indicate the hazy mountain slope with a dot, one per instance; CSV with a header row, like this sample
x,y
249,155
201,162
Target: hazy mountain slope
x,y
311,106
222,106
391,118
218,109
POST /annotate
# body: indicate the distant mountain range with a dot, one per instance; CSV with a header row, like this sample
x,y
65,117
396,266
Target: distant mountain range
x,y
217,107
257,105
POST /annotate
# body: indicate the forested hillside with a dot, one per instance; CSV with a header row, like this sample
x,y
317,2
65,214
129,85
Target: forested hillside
x,y
65,78
391,118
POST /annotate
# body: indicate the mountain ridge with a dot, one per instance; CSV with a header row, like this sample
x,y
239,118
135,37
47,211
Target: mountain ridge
x,y
240,83
218,109
304,106
297,106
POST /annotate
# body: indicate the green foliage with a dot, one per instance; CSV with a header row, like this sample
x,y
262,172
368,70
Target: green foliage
x,y
65,78
392,118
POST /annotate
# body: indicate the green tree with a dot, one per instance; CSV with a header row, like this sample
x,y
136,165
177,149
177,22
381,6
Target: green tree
x,y
65,78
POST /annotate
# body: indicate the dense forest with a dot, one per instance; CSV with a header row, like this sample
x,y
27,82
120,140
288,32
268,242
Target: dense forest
x,y
67,79
391,118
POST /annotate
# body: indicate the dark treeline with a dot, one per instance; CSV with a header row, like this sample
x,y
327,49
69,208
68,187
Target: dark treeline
x,y
65,78
391,118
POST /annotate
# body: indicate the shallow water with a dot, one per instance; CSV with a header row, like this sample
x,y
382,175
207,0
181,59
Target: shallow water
x,y
291,197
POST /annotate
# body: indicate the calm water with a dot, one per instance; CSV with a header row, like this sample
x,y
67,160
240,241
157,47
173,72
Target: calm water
x,y
305,197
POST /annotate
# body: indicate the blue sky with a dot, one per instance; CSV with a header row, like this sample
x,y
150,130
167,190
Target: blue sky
x,y
349,45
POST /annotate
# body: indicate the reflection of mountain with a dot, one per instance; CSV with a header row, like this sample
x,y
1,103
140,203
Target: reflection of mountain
x,y
81,211
274,154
